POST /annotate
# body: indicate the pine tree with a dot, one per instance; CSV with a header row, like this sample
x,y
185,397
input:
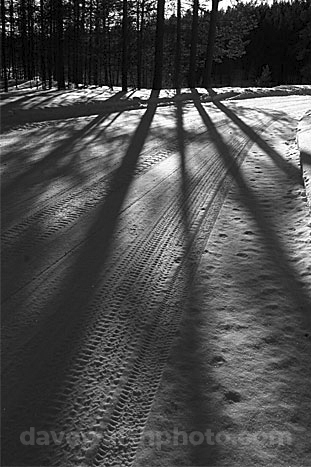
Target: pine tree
x,y
125,39
4,51
158,59
193,49
210,45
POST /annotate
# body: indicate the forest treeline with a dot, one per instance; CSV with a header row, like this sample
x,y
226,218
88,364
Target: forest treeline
x,y
148,43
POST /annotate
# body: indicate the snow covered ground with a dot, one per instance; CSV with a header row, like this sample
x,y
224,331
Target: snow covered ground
x,y
26,98
156,277
235,391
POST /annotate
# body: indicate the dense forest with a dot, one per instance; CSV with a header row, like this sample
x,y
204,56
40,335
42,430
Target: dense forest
x,y
149,43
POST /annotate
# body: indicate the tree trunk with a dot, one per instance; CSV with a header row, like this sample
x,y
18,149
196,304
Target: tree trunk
x,y
110,74
23,27
96,47
11,60
4,58
12,44
91,48
158,59
50,56
30,27
76,50
81,63
194,42
60,75
140,30
124,46
207,74
105,48
42,47
178,46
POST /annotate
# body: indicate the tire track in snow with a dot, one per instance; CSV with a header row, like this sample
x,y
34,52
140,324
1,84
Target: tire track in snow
x,y
126,337
50,196
34,234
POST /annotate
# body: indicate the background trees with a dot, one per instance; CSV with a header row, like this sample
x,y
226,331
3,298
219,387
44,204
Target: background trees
x,y
131,43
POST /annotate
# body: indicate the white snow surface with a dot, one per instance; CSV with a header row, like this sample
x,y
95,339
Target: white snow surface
x,y
240,361
38,99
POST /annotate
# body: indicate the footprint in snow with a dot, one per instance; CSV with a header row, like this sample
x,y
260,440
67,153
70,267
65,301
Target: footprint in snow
x,y
233,396
218,360
242,255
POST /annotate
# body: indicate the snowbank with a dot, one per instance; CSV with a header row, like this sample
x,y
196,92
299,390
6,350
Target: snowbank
x,y
304,144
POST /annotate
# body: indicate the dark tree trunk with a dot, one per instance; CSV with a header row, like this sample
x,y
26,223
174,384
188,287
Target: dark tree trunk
x,y
4,57
178,46
50,55
110,74
96,59
23,28
207,74
81,63
194,42
140,32
105,48
30,37
12,44
42,46
124,46
76,52
90,51
60,74
158,59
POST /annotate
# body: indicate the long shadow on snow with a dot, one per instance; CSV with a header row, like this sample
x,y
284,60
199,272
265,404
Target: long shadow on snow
x,y
305,157
60,162
53,165
66,321
287,167
26,96
184,365
193,372
278,254
27,116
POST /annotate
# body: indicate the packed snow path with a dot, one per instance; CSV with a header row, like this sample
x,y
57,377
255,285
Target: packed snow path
x,y
105,221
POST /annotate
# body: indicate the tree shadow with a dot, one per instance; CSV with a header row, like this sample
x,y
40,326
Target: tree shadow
x,y
103,114
68,314
269,237
285,166
305,157
23,192
114,103
42,196
61,162
202,413
26,96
